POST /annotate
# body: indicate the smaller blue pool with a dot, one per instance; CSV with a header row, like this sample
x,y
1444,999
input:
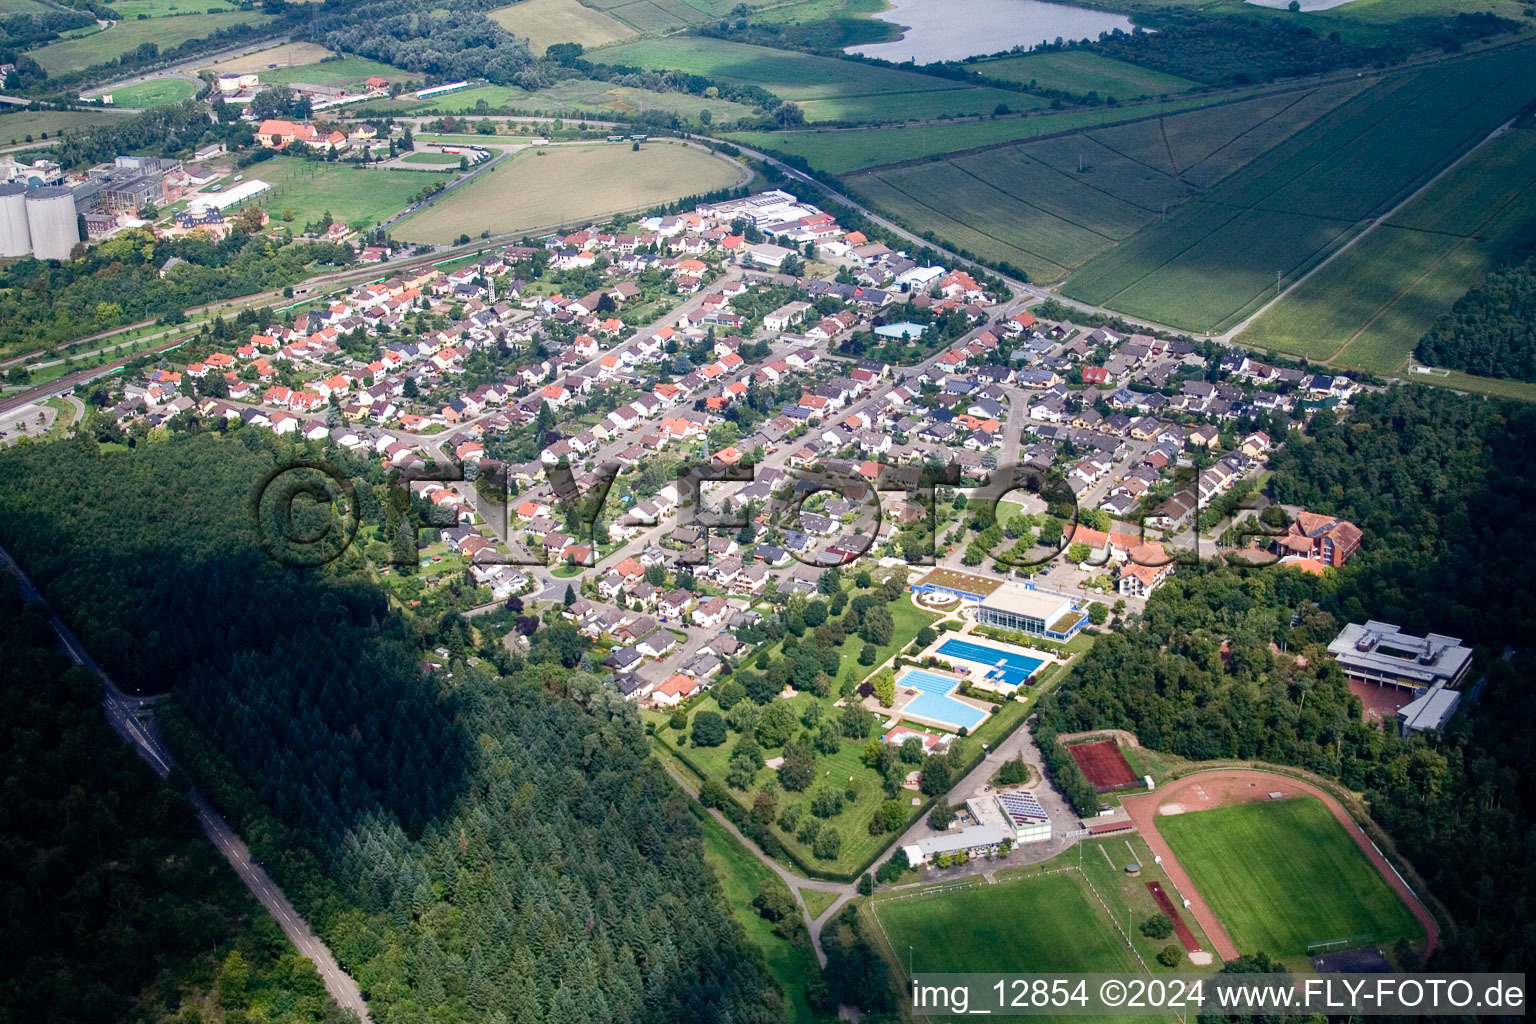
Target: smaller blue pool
x,y
1010,667
933,702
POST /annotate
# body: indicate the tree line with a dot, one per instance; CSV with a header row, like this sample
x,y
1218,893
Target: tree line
x,y
1491,330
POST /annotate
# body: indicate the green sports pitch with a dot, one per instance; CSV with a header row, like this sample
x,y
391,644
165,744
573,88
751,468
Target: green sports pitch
x,y
1043,923
1283,876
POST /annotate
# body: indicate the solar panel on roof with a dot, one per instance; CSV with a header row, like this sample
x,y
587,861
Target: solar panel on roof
x,y
1023,808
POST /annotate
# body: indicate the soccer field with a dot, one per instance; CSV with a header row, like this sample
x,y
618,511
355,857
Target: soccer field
x,y
1283,875
1046,923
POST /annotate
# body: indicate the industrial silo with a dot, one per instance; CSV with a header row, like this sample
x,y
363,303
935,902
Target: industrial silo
x,y
15,239
52,222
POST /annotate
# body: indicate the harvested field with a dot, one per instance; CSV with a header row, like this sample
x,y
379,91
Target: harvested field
x,y
568,184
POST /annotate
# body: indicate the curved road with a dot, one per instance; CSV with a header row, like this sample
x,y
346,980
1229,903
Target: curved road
x,y
129,715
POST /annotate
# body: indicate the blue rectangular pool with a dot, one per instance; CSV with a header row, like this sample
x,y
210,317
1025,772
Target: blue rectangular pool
x,y
1009,666
933,702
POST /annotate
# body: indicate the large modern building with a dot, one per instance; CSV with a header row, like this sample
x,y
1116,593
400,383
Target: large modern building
x,y
1328,539
1026,610
1018,812
1381,653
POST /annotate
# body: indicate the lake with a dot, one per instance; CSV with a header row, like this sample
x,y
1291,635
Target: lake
x,y
956,29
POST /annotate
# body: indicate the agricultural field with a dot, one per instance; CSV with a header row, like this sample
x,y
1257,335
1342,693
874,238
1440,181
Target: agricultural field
x,y
328,72
1283,875
606,100
1367,308
564,184
844,151
284,56
1052,205
1218,259
133,9
361,198
166,33
16,126
740,873
650,17
156,92
826,89
544,22
1080,72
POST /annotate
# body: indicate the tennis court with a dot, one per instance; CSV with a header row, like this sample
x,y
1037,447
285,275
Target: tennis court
x,y
1011,668
933,703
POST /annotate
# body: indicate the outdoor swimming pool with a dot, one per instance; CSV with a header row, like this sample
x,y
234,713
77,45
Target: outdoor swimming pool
x,y
933,702
1009,666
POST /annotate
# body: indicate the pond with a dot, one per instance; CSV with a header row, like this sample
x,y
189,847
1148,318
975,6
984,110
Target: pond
x,y
956,29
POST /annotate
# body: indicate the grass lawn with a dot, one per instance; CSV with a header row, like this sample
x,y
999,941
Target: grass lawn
x,y
1498,387
1080,72
166,33
157,92
817,901
15,127
568,184
1282,875
435,159
358,197
740,873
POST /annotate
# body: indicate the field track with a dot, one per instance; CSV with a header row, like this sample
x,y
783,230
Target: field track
x,y
1220,787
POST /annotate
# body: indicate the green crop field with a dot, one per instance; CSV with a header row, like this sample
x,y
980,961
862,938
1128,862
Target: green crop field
x,y
654,17
16,126
357,197
329,72
157,92
740,873
132,9
1283,875
166,33
1050,206
1367,308
827,89
604,99
569,184
1048,922
1219,258
843,151
1080,72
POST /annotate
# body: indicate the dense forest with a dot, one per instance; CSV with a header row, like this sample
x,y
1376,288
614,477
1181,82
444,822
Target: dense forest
x,y
481,839
1491,331
117,907
1444,488
1236,51
445,41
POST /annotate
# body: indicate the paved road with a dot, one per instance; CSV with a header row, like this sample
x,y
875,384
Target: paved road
x,y
130,716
